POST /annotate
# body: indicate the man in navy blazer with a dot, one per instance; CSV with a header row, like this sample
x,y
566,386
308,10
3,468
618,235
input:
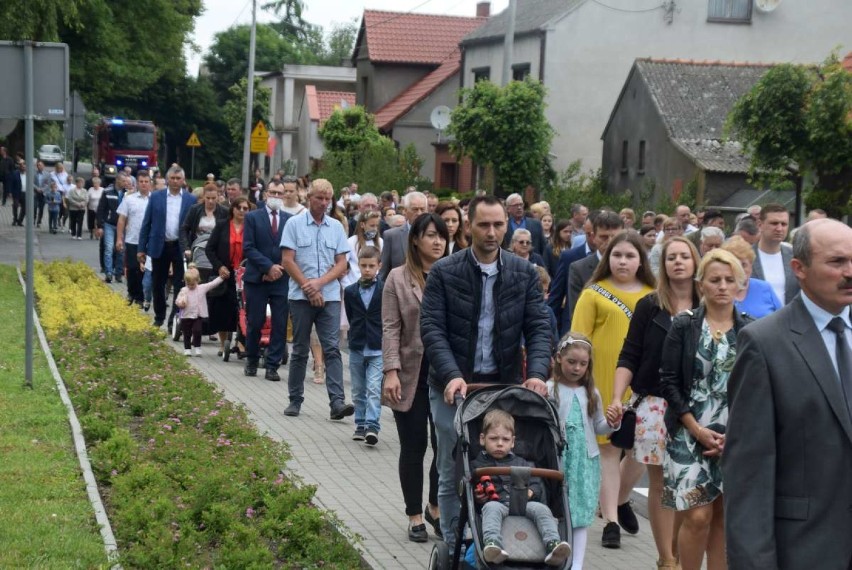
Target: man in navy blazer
x,y
266,283
517,219
559,284
159,238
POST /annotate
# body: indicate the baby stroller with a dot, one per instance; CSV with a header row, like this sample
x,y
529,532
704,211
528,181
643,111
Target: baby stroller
x,y
538,438
205,270
242,321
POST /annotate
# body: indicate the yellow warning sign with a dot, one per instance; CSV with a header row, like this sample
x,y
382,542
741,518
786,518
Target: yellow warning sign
x,y
259,137
193,141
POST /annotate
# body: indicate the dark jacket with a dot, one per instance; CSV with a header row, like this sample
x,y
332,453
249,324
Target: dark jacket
x,y
503,483
677,369
642,351
365,323
188,229
449,319
262,249
108,206
558,294
218,247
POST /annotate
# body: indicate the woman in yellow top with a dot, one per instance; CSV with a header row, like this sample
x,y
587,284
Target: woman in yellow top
x,y
603,314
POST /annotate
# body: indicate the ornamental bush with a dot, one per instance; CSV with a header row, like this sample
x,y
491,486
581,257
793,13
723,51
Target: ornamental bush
x,y
187,479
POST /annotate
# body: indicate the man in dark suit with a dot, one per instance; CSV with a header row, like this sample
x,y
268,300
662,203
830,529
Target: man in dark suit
x,y
787,462
772,255
159,237
517,219
266,283
606,224
396,239
15,187
559,285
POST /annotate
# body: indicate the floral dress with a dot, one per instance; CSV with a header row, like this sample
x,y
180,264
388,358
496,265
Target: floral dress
x,y
583,472
691,479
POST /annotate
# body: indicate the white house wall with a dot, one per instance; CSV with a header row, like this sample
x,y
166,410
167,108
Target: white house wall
x,y
591,50
527,49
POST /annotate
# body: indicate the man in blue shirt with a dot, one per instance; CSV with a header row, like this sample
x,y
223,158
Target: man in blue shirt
x,y
313,253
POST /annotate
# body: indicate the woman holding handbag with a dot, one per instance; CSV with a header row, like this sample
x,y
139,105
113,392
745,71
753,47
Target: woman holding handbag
x,y
639,369
603,314
697,359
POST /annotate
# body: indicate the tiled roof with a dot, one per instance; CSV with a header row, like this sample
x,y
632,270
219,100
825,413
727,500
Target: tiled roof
x,y
405,101
530,15
402,37
694,99
321,104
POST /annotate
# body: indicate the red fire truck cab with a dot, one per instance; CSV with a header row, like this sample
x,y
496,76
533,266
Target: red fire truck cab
x,y
119,143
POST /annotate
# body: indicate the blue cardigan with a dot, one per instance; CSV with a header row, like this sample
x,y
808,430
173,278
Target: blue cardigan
x,y
760,300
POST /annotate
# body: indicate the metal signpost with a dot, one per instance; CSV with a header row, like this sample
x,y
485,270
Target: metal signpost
x,y
41,97
193,143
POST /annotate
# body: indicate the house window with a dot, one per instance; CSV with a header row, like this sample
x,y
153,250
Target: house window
x,y
520,71
641,166
729,11
481,74
624,148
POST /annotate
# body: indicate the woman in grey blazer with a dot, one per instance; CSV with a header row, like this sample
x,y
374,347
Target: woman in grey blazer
x,y
406,369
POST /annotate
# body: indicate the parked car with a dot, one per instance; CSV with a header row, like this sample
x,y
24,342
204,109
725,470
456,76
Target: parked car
x,y
50,154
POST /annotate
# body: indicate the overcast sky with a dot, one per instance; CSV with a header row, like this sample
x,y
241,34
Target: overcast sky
x,y
220,15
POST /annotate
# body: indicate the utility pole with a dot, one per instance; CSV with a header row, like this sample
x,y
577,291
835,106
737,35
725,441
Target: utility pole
x,y
249,97
509,45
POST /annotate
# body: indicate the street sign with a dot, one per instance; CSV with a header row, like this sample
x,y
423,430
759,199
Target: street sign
x,y
258,138
50,84
193,141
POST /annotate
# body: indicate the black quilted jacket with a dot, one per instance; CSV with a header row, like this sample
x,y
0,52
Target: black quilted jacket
x,y
449,319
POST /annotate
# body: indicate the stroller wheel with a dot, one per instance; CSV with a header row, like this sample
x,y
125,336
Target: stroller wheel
x,y
175,329
439,559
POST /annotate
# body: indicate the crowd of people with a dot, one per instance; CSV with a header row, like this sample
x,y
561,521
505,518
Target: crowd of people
x,y
729,344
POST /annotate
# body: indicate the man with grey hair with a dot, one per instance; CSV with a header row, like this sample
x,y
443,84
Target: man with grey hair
x,y
159,238
747,229
396,239
788,440
579,213
367,202
711,238
517,220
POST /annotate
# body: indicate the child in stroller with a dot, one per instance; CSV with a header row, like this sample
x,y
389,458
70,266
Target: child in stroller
x,y
498,440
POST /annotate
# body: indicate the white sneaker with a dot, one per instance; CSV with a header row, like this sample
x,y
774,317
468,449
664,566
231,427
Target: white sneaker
x,y
558,554
187,352
494,554
197,351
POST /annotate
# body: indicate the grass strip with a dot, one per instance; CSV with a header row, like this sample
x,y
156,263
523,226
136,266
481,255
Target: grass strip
x,y
187,479
47,519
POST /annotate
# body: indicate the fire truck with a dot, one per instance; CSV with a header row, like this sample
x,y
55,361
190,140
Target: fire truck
x,y
119,143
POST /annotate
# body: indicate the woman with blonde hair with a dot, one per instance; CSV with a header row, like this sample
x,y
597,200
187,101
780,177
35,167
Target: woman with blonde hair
x,y
697,359
639,370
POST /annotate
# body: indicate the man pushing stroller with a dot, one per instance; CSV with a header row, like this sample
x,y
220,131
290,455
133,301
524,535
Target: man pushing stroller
x,y
498,440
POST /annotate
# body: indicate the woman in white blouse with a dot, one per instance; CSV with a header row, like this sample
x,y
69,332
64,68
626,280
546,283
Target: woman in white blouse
x,y
452,216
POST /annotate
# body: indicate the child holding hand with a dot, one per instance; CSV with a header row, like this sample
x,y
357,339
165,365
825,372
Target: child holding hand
x,y
192,300
498,439
581,413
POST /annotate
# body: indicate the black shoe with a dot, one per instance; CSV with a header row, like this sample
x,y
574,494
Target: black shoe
x,y
359,434
341,411
284,360
272,375
417,533
435,522
292,410
146,307
118,279
611,536
627,518
250,369
108,279
371,438
158,323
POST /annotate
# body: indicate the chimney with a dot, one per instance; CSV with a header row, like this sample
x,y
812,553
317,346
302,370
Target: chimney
x,y
483,9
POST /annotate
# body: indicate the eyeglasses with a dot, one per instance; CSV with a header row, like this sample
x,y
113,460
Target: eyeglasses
x,y
671,230
523,242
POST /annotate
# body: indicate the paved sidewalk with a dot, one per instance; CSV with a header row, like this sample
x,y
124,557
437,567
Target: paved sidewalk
x,y
358,483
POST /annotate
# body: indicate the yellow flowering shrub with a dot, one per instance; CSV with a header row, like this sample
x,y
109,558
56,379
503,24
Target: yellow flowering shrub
x,y
70,296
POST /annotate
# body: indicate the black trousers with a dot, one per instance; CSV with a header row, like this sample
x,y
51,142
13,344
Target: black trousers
x,y
191,329
171,258
19,208
76,222
415,427
134,274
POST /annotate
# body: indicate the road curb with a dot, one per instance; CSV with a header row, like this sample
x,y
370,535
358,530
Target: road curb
x,y
94,494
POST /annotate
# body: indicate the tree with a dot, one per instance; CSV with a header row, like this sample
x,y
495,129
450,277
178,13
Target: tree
x,y
234,113
339,43
350,130
504,128
797,121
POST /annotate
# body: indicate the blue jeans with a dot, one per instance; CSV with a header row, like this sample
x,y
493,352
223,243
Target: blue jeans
x,y
113,262
147,286
365,373
327,321
493,513
448,498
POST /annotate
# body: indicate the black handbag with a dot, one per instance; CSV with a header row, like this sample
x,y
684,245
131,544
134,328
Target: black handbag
x,y
625,436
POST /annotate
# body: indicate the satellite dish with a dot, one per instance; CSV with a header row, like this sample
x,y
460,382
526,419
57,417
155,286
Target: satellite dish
x,y
440,117
766,5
